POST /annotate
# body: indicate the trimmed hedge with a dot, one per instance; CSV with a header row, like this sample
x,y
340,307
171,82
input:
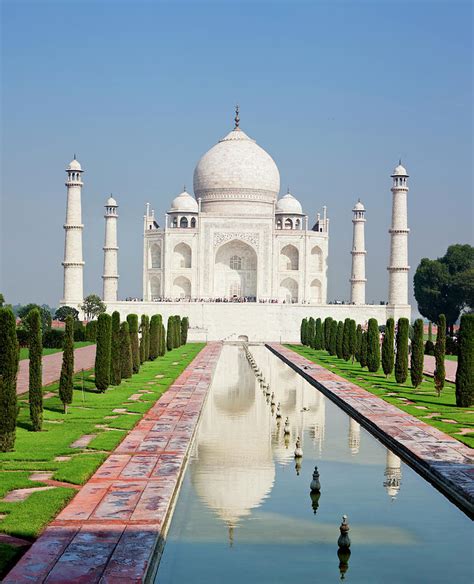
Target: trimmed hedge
x,y
417,354
440,353
102,355
132,320
35,383
465,371
401,360
126,360
9,354
66,380
388,349
373,346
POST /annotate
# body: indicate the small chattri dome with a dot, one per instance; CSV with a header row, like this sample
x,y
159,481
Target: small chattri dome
x,y
111,202
184,203
359,206
289,205
400,170
74,165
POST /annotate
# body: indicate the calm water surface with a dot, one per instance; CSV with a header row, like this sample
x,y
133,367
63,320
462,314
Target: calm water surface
x,y
245,515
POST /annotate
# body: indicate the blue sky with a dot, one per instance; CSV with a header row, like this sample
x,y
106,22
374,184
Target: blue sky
x,y
335,91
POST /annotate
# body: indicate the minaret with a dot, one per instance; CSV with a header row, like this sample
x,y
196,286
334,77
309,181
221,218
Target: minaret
x,y
393,474
354,436
110,276
358,252
398,267
73,291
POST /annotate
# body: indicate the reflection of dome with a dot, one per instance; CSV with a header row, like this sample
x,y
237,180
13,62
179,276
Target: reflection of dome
x,y
289,205
185,203
400,171
236,169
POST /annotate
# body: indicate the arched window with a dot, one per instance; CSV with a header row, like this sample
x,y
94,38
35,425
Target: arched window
x,y
193,222
288,223
298,223
182,256
155,288
316,259
183,222
181,287
155,256
235,262
175,222
289,258
288,291
279,224
315,291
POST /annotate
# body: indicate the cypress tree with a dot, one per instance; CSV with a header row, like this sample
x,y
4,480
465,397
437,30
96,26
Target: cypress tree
x,y
346,350
170,333
91,331
327,333
310,331
162,340
66,380
304,324
116,352
373,346
358,343
147,339
439,353
339,339
177,331
102,355
9,354
35,354
388,350
401,360
143,339
363,350
126,361
417,354
155,323
352,339
430,331
184,330
132,320
318,335
465,371
333,338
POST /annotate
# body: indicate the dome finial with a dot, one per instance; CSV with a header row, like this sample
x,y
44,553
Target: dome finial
x,y
236,119
400,161
288,190
75,156
184,188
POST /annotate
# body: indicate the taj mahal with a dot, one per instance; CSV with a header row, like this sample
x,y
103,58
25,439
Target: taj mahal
x,y
239,260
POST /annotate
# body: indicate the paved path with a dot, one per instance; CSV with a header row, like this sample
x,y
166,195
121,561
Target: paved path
x,y
443,460
449,366
109,531
83,359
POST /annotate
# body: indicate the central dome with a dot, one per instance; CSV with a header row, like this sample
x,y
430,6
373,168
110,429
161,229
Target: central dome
x,y
237,172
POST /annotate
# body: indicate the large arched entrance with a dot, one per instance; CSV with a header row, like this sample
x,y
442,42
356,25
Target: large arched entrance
x,y
235,271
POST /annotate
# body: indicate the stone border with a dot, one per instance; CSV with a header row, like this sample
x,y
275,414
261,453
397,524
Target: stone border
x,y
444,461
111,530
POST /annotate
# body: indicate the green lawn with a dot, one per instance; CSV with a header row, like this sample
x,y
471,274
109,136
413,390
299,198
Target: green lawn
x,y
37,451
77,345
444,406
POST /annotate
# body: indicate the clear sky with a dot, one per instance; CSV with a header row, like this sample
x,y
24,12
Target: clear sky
x,y
335,91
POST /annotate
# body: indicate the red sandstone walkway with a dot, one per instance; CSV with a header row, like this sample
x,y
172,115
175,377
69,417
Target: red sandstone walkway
x,y
449,366
84,358
445,461
109,531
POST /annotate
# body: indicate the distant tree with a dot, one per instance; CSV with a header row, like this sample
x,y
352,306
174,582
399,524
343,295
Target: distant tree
x,y
465,370
126,361
116,351
333,338
2,300
184,330
303,327
339,339
440,353
64,311
66,380
358,341
91,331
346,349
388,352
102,354
429,348
352,339
162,340
35,383
9,353
373,346
23,312
318,335
363,350
93,306
417,354
132,320
155,324
170,334
401,360
446,285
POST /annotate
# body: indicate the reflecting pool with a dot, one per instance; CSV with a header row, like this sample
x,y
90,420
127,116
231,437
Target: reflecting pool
x,y
245,514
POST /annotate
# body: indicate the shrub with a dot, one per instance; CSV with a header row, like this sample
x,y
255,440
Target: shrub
x,y
429,348
304,324
363,350
79,331
439,353
318,335
91,331
162,339
8,370
115,351
417,356
132,320
346,351
465,371
93,306
339,339
388,351
35,384
333,338
177,331
352,339
44,312
63,311
155,326
310,331
184,330
401,360
358,342
54,338
126,361
170,333
373,346
66,383
451,346
102,355
22,335
327,333
143,339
